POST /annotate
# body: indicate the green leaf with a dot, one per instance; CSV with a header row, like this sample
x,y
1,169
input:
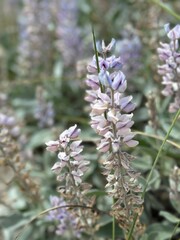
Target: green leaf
x,y
58,70
159,231
39,138
170,217
96,192
155,180
141,115
143,163
8,221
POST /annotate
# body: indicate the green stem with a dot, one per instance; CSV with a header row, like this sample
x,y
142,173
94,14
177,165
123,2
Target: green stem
x,y
152,169
47,211
96,54
113,228
167,9
160,150
175,228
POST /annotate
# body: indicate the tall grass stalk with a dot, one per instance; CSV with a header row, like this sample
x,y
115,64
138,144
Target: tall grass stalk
x,y
174,230
167,9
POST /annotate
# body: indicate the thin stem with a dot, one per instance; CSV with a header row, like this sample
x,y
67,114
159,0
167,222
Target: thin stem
x,y
97,63
95,49
113,228
96,54
76,190
114,132
166,8
160,150
152,169
157,137
175,228
51,209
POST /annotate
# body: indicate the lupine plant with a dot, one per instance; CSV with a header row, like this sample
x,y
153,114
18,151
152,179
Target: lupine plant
x,y
33,30
170,70
70,169
68,33
111,118
92,154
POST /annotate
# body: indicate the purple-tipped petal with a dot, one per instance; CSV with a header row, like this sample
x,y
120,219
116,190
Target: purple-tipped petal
x,y
62,156
174,33
111,46
52,146
104,65
103,146
128,140
56,167
119,83
104,78
92,81
132,143
73,132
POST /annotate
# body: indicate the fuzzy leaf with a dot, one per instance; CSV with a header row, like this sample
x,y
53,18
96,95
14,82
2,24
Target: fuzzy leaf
x,y
170,217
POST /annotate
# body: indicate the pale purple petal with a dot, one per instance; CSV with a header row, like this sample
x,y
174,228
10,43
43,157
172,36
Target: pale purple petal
x,y
52,146
132,143
174,33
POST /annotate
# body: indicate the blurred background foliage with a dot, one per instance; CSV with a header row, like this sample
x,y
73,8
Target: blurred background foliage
x,y
45,46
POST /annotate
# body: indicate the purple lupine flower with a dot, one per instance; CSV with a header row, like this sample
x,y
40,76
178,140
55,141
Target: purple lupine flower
x,y
70,169
129,49
68,33
34,22
10,123
115,81
170,70
70,149
111,118
65,220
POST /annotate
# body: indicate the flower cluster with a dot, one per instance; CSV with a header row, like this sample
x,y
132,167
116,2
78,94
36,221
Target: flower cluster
x,y
10,124
66,222
70,157
33,32
70,169
68,33
130,49
170,70
11,155
44,111
111,118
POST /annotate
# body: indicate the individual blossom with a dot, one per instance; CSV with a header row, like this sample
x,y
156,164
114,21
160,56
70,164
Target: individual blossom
x,y
70,169
111,118
170,69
